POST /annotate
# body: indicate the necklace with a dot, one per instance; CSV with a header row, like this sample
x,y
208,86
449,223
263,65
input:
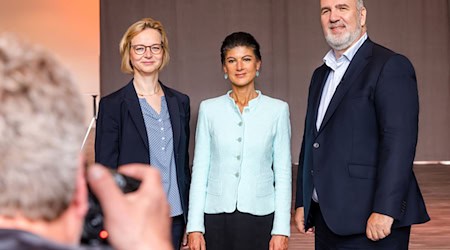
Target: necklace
x,y
152,94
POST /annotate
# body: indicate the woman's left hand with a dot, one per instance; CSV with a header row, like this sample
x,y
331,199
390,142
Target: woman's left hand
x,y
279,242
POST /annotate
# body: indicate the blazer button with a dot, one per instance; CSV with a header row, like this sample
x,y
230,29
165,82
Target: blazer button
x,y
316,145
237,175
312,172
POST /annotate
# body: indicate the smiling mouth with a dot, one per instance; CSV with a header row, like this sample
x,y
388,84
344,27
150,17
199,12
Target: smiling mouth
x,y
337,30
337,27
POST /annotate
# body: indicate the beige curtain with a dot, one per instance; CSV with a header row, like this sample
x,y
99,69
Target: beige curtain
x,y
292,47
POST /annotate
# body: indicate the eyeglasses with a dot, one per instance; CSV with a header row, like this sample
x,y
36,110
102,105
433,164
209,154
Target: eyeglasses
x,y
140,49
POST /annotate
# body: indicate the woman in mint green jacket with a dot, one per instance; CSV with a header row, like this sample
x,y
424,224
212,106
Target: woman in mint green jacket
x,y
240,195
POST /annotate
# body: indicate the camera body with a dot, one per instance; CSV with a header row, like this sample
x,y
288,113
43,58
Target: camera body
x,y
93,229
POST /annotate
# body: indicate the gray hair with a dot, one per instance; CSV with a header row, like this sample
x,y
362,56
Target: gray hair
x,y
359,4
41,130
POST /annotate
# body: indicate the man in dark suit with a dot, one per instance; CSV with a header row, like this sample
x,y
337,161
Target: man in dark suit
x,y
356,186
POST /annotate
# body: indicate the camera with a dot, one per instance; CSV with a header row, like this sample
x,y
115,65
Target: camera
x,y
93,230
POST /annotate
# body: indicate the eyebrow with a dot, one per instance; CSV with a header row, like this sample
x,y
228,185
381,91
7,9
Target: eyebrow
x,y
336,6
146,45
342,5
324,8
232,57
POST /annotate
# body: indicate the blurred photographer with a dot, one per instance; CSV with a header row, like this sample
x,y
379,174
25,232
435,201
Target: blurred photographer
x,y
43,188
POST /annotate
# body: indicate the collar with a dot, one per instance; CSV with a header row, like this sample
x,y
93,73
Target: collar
x,y
251,104
330,59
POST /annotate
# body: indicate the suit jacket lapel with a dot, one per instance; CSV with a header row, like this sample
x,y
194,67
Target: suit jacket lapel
x,y
357,64
322,75
135,111
174,112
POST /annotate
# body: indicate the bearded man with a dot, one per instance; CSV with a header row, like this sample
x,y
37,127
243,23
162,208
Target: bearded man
x,y
356,188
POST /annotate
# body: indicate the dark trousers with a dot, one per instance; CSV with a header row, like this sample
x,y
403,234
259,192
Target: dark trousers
x,y
325,239
178,227
237,231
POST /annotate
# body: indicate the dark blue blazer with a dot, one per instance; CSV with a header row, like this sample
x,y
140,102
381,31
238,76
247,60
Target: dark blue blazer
x,y
121,136
361,159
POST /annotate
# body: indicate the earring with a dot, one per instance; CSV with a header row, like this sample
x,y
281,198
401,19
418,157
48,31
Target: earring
x,y
225,76
257,73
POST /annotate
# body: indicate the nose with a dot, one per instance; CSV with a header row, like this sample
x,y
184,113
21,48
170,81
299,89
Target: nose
x,y
239,65
334,16
148,52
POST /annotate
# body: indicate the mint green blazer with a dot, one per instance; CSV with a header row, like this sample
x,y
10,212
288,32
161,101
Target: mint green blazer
x,y
242,161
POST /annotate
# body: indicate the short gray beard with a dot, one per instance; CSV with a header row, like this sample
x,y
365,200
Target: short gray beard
x,y
345,41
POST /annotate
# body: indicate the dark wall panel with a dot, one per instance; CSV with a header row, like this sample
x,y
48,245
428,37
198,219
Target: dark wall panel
x,y
292,47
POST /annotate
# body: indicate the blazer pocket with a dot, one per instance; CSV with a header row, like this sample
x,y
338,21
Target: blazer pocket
x,y
362,171
265,187
360,96
214,187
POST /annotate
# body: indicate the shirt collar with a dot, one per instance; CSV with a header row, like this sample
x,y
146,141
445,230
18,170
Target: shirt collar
x,y
251,104
330,59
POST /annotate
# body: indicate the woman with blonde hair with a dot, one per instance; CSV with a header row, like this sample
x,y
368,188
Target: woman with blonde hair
x,y
146,121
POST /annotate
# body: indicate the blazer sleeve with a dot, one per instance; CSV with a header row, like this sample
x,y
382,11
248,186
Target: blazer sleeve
x,y
282,167
397,109
299,187
107,134
200,172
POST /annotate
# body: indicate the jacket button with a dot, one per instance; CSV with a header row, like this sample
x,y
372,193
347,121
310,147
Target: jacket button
x,y
316,145
312,172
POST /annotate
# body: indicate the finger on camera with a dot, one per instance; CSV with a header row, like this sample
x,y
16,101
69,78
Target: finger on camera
x,y
147,174
103,185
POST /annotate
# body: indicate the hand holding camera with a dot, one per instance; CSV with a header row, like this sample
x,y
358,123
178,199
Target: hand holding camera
x,y
94,232
142,216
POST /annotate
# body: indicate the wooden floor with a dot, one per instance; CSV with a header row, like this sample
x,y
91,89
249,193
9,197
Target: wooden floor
x,y
434,181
